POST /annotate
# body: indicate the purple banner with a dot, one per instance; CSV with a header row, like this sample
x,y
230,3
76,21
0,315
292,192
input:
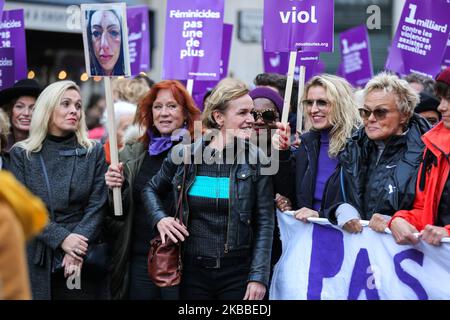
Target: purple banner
x,y
2,4
7,67
306,25
193,36
201,87
356,60
138,39
12,35
446,61
278,62
421,38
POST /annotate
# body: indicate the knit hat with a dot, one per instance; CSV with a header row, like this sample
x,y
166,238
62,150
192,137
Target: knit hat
x,y
272,95
444,76
427,103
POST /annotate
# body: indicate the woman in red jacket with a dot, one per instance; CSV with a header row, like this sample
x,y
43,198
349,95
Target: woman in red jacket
x,y
431,210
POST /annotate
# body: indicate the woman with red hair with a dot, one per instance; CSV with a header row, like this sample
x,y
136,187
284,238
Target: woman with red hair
x,y
166,108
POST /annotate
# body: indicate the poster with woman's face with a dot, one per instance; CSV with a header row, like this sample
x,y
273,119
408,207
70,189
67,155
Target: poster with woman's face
x,y
105,37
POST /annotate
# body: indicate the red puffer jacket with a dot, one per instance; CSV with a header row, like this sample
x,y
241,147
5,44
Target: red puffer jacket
x,y
426,202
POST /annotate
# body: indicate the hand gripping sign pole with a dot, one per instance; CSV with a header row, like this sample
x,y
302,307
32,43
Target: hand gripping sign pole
x,y
114,152
114,15
301,88
289,83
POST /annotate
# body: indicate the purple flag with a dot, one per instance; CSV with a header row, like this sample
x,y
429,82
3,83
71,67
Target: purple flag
x,y
138,39
12,35
356,60
306,25
446,61
421,38
278,62
7,67
201,87
192,44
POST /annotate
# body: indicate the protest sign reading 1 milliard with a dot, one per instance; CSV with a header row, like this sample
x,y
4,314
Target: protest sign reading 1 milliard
x,y
193,36
446,60
12,35
355,56
7,67
201,87
306,25
421,38
138,39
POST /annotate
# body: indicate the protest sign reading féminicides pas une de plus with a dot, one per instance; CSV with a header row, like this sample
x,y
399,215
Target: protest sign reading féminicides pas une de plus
x,y
138,39
306,25
192,45
12,35
201,87
355,56
7,67
421,38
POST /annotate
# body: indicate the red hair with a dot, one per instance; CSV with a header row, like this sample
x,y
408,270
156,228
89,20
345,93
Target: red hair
x,y
144,116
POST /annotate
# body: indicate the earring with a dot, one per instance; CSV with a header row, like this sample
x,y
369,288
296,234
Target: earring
x,y
185,123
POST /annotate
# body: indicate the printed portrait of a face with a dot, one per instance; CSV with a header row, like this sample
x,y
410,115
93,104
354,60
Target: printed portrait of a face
x,y
106,41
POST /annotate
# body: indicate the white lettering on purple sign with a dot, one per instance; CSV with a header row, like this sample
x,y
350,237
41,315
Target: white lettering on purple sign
x,y
301,16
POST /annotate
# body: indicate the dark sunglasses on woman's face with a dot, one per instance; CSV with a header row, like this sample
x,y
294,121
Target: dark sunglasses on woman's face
x,y
379,114
320,103
268,115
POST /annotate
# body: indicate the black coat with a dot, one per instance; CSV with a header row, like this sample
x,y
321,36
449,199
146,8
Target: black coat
x,y
251,220
384,186
296,178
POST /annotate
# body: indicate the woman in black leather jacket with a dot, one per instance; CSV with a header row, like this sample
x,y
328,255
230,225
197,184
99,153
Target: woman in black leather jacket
x,y
227,203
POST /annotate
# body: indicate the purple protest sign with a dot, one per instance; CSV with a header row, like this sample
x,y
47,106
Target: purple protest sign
x,y
356,60
7,67
138,39
421,38
306,25
2,4
12,35
446,61
193,36
278,62
201,87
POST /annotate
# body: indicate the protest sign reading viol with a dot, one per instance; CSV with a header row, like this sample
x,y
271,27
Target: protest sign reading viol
x,y
7,66
421,38
12,35
277,62
355,56
201,87
321,261
192,45
298,25
138,39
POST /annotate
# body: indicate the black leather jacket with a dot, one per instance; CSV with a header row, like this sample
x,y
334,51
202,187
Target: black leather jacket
x,y
251,209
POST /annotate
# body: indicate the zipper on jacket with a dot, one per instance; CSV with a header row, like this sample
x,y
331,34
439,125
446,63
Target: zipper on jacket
x,y
229,207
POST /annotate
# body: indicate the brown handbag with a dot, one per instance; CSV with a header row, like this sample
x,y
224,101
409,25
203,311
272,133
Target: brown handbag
x,y
164,260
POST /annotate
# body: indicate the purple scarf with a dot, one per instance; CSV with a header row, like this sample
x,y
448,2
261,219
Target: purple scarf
x,y
159,144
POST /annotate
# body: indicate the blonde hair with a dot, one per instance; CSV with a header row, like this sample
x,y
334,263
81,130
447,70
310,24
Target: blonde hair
x,y
130,90
405,96
344,115
222,94
4,129
45,105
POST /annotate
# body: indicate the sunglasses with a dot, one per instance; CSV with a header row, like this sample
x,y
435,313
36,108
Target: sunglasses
x,y
320,103
268,115
379,114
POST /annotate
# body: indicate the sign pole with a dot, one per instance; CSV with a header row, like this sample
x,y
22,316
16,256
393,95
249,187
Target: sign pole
x,y
117,193
301,88
289,83
190,86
